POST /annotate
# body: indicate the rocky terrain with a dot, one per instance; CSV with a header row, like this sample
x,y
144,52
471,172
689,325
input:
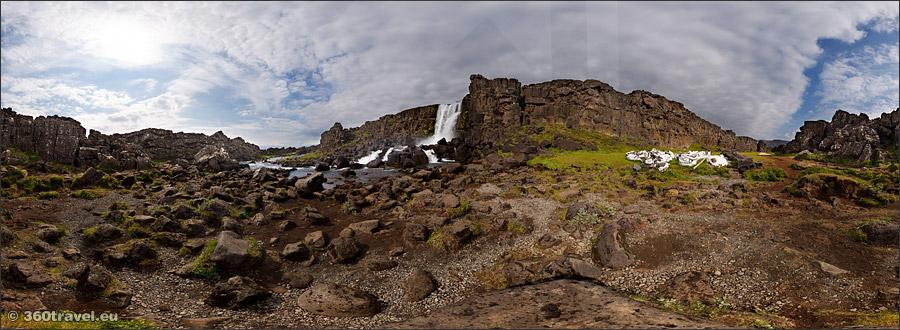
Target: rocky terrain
x,y
850,136
540,224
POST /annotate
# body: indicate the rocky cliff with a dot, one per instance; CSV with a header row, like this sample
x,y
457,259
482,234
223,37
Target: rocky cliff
x,y
165,144
54,138
406,127
850,136
496,106
63,140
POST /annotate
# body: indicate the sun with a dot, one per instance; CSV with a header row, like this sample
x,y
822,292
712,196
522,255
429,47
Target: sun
x,y
127,42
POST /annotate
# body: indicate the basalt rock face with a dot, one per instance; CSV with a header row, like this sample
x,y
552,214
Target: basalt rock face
x,y
404,128
63,140
54,138
496,106
165,144
849,136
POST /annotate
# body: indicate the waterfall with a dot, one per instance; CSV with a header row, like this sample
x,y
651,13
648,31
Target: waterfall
x,y
444,128
444,123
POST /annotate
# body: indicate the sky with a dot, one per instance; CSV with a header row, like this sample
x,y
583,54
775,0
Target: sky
x,y
281,73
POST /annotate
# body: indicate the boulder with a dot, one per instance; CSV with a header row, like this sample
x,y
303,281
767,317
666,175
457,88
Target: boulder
x,y
608,251
322,167
417,286
49,233
881,233
27,274
336,300
236,292
90,178
341,162
297,279
231,251
365,227
107,232
415,232
310,184
296,251
342,249
215,158
316,239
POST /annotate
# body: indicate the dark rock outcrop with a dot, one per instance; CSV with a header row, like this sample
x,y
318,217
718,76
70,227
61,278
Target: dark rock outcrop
x,y
64,140
554,304
849,136
237,292
498,106
403,128
53,138
336,300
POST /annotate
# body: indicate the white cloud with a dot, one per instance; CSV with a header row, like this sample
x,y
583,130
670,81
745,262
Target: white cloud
x,y
862,81
298,67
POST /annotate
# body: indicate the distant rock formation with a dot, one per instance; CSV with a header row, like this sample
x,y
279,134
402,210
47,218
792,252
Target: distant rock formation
x,y
496,106
849,136
63,140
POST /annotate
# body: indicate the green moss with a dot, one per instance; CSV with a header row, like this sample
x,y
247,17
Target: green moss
x,y
253,250
121,206
109,182
461,210
136,231
868,202
91,233
348,208
49,194
765,174
88,194
203,267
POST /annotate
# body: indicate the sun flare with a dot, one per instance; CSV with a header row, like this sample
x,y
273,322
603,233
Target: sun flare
x,y
129,43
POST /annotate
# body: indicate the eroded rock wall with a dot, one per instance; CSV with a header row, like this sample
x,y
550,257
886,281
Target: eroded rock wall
x,y
849,136
54,138
496,106
403,128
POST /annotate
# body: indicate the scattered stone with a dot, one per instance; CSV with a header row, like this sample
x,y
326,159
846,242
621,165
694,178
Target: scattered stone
x,y
365,227
28,274
881,233
342,249
296,251
316,239
829,269
310,184
297,279
238,291
49,233
379,264
335,300
608,251
415,232
231,250
417,286
287,225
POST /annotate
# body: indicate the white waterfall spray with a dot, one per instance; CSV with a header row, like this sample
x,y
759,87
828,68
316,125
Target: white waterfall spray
x,y
444,123
444,128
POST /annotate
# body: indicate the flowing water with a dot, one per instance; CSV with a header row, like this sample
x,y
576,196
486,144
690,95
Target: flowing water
x,y
444,128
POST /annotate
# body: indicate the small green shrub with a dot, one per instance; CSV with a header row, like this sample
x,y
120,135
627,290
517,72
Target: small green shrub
x,y
253,250
348,208
88,194
34,184
585,217
765,174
